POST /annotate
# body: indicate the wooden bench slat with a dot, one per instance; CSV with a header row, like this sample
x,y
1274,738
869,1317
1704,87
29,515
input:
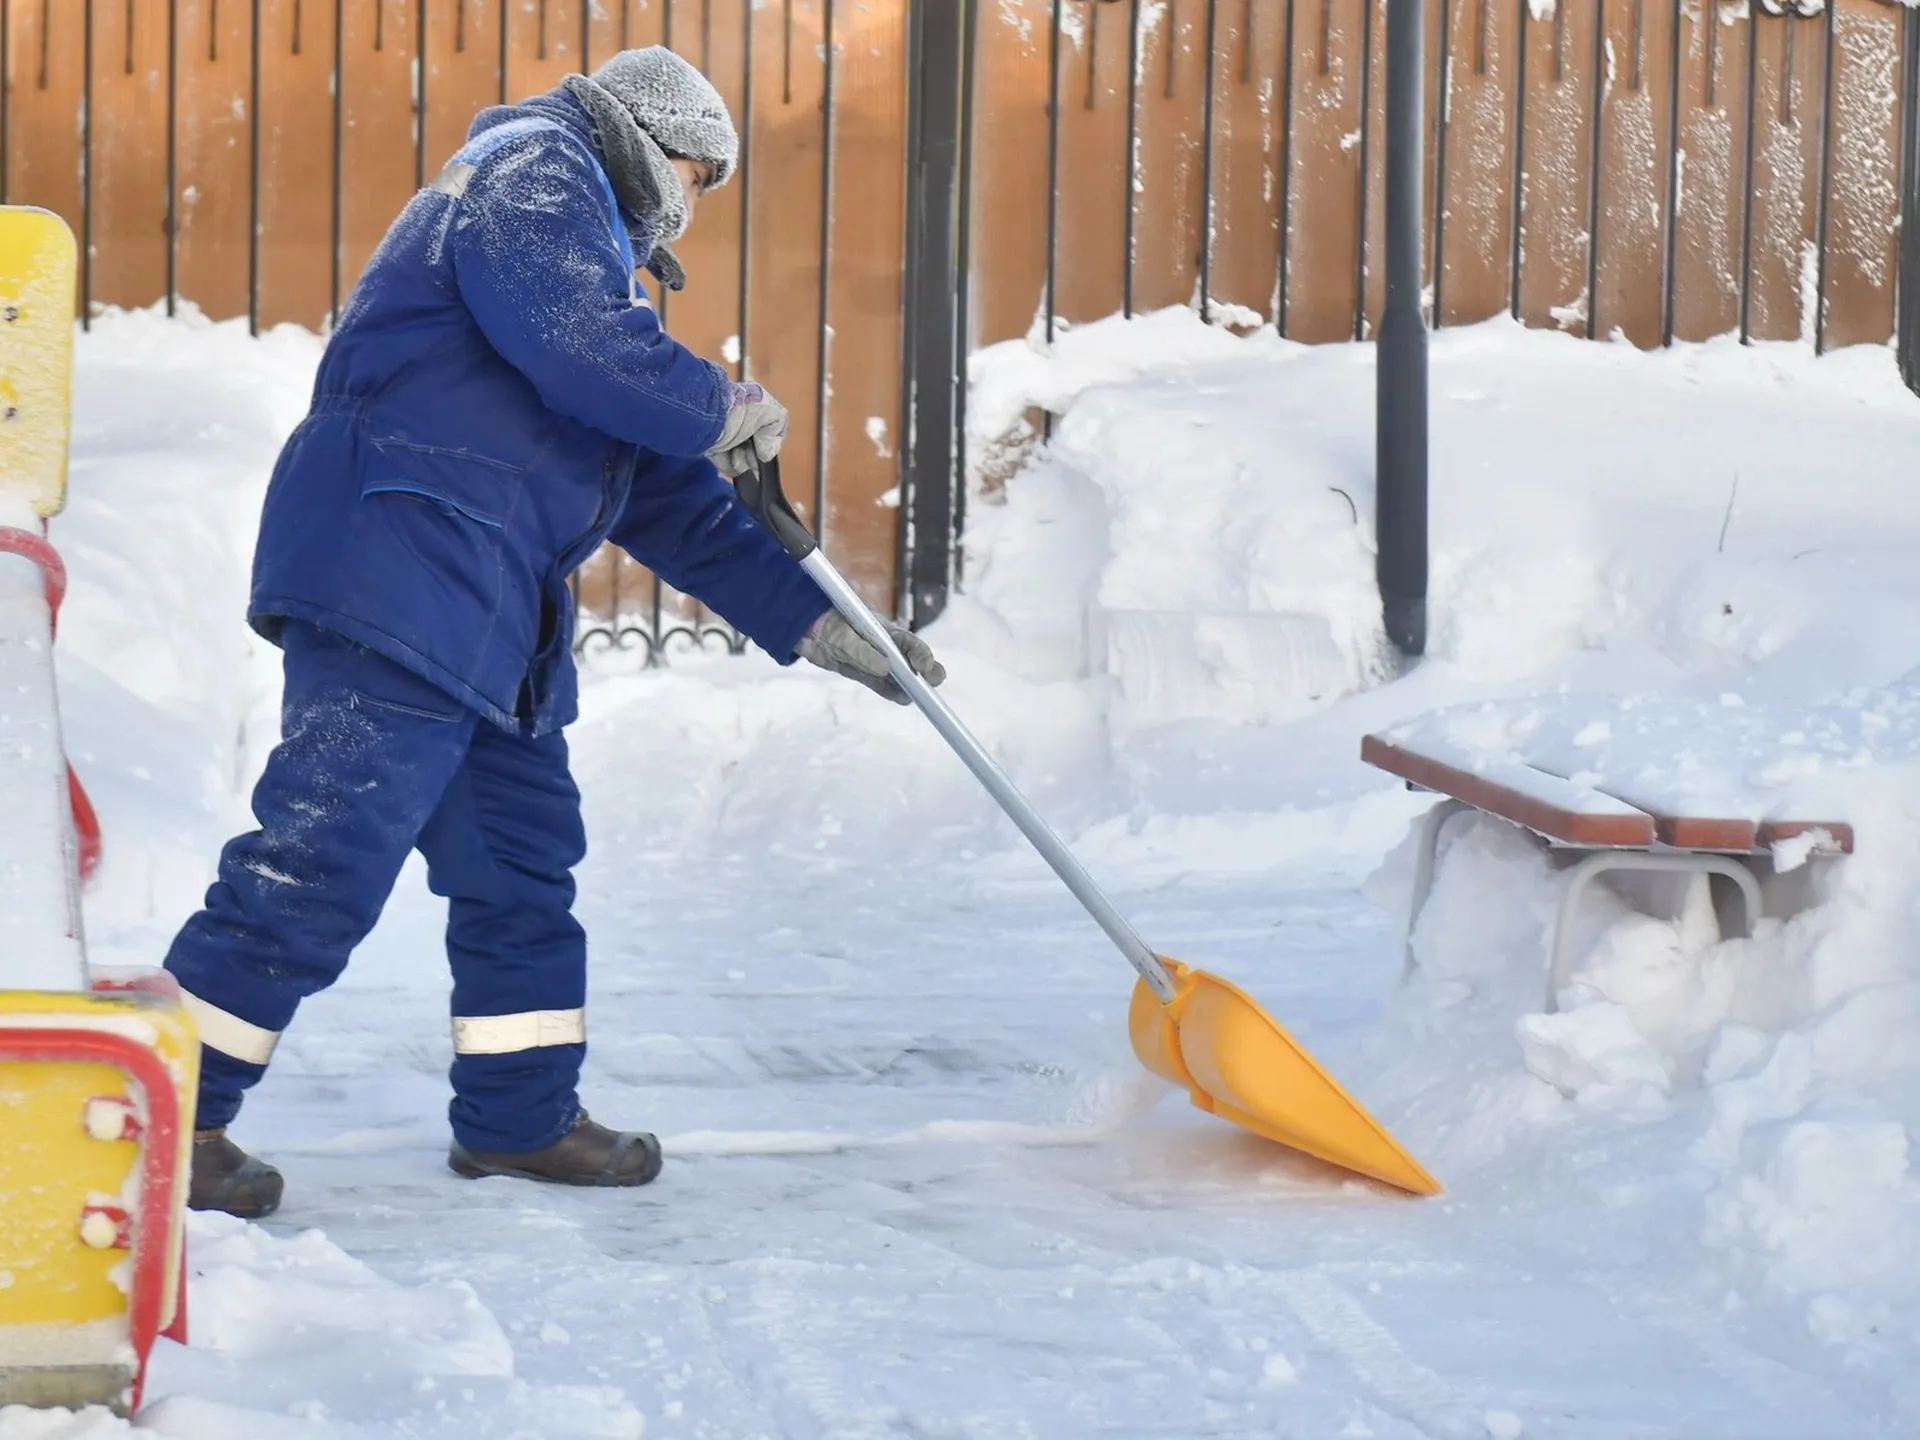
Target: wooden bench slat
x,y
1515,791
1565,810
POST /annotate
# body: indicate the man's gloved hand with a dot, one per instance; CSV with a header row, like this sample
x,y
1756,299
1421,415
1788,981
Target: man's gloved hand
x,y
835,645
756,424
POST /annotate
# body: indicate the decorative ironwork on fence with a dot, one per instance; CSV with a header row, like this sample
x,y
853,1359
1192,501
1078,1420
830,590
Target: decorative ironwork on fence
x,y
919,180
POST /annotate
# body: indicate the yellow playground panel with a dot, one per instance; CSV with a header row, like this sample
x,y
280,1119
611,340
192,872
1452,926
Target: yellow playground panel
x,y
97,1070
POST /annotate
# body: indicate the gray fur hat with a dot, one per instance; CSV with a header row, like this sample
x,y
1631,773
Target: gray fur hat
x,y
675,104
648,108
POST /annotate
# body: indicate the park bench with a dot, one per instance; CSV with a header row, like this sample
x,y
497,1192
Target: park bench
x,y
1553,781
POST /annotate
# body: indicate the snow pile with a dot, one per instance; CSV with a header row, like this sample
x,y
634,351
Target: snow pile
x,y
1681,575
913,1184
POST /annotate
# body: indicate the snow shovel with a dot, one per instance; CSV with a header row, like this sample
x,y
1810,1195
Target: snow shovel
x,y
1187,1026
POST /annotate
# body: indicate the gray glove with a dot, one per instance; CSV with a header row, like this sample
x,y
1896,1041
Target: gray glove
x,y
756,424
835,645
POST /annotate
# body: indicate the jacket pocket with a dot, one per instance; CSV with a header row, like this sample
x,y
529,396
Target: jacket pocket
x,y
459,482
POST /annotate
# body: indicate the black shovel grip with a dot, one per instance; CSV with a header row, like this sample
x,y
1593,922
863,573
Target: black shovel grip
x,y
759,489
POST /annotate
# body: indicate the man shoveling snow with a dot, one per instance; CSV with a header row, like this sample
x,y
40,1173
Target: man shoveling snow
x,y
497,401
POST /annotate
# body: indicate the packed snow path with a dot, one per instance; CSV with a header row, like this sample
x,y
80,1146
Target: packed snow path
x,y
916,1185
902,1199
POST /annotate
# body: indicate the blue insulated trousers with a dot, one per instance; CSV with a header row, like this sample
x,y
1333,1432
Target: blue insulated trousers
x,y
373,762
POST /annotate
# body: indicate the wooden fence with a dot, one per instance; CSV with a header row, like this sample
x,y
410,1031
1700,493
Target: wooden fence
x,y
1656,169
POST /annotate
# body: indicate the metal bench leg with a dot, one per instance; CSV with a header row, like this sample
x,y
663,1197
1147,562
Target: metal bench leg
x,y
1426,857
1599,863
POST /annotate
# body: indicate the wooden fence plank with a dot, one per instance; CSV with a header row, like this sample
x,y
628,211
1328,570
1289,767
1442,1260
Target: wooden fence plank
x,y
46,48
213,206
1250,121
1168,188
1009,242
706,316
462,75
1708,222
784,261
544,39
1558,165
1476,224
296,281
1324,213
377,134
1863,185
1782,268
1090,242
1635,150
864,297
128,154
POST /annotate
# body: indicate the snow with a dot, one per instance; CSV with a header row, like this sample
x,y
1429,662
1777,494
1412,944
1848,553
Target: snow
x,y
916,1184
36,921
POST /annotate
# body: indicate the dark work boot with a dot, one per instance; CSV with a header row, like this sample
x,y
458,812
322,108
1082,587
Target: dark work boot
x,y
588,1154
226,1178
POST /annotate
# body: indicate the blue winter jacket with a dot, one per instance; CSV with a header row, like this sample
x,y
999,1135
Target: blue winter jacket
x,y
497,399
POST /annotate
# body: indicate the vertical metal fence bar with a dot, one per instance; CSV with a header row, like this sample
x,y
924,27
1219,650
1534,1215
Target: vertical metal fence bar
x,y
1366,170
1283,259
173,152
253,171
1173,34
1746,202
1093,51
963,270
1518,210
1442,105
706,37
1670,240
1596,136
503,51
420,92
746,179
339,135
86,168
127,64
1786,71
1206,163
1821,227
1710,26
1053,172
823,351
586,37
932,346
666,23
540,33
1133,155
6,97
1246,45
1907,280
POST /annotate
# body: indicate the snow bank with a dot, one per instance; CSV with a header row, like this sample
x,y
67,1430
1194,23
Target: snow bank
x,y
1686,573
1168,634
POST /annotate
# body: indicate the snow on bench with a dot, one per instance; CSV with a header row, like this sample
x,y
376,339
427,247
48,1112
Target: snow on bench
x,y
1660,784
1639,772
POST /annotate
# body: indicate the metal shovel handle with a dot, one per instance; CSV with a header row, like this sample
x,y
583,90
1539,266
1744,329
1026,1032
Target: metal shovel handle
x,y
761,493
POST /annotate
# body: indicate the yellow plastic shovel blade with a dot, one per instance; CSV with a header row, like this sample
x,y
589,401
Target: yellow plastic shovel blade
x,y
1237,1063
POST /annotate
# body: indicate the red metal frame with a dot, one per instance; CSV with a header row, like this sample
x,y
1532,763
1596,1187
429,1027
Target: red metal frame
x,y
159,1156
53,578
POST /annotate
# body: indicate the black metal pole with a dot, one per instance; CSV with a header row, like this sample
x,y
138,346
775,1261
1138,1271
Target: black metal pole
x,y
932,344
1400,483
